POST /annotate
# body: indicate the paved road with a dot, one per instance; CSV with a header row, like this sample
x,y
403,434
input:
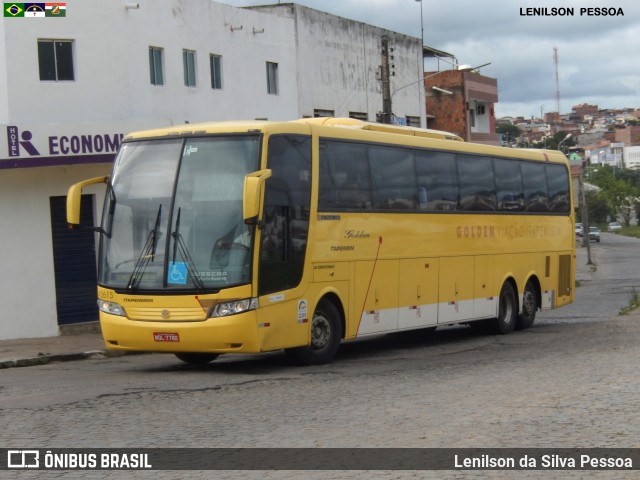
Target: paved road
x,y
607,286
571,381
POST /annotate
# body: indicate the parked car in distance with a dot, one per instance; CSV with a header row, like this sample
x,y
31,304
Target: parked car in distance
x,y
594,234
579,229
614,227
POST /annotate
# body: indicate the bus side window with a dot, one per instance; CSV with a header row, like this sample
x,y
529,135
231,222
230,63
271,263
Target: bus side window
x,y
344,177
558,183
393,173
477,189
437,181
509,188
536,194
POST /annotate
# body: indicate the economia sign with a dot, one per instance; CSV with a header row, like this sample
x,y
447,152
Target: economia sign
x,y
41,146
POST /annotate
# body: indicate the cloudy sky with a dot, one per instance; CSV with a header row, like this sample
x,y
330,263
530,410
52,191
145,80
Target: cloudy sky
x,y
598,56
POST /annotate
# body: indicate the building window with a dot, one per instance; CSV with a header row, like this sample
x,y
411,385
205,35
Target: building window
x,y
272,78
55,59
215,63
189,63
359,116
318,112
155,66
413,121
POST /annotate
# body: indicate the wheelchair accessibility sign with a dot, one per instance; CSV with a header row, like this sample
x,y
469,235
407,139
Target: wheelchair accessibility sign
x,y
177,274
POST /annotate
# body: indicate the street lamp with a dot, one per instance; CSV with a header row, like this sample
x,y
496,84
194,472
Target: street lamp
x,y
422,79
564,140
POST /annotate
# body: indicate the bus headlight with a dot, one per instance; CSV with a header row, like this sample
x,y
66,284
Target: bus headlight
x,y
233,308
110,307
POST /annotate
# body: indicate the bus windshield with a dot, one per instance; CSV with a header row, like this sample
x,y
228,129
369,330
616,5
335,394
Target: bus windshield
x,y
173,216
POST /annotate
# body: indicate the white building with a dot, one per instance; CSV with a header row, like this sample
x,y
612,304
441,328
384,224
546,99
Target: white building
x,y
632,157
71,87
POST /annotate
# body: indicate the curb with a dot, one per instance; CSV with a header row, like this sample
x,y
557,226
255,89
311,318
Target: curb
x,y
45,359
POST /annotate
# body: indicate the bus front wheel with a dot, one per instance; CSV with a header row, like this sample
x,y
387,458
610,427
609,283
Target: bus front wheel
x,y
325,337
507,310
197,358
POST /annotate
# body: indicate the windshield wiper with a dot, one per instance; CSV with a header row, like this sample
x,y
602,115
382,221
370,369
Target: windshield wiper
x,y
148,254
180,247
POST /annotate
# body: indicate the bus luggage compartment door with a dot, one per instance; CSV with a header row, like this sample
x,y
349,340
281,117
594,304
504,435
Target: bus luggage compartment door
x,y
376,296
456,289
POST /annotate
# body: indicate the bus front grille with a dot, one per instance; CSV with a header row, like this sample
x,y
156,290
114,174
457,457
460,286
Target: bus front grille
x,y
173,314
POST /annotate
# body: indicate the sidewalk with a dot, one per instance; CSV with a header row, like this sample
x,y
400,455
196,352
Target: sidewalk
x,y
40,351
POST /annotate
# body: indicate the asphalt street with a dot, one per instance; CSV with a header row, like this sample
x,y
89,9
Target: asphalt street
x,y
569,382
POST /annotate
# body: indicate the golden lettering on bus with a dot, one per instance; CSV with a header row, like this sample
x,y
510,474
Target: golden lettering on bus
x,y
510,232
356,234
475,231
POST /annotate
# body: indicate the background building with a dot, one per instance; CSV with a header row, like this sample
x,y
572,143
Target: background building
x,y
632,157
630,135
71,87
462,102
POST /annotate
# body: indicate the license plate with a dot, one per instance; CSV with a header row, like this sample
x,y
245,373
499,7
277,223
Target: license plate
x,y
166,337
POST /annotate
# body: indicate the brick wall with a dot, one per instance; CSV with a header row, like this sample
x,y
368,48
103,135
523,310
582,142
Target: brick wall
x,y
448,110
630,136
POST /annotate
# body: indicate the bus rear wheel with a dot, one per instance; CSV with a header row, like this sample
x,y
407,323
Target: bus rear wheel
x,y
326,333
197,358
529,307
507,310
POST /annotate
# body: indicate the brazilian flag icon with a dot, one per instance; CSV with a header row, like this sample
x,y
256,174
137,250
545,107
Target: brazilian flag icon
x,y
14,9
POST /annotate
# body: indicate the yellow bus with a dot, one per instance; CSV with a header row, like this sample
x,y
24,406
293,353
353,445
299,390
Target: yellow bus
x,y
246,237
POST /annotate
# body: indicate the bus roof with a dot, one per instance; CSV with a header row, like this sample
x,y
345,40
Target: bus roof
x,y
244,126
339,127
381,127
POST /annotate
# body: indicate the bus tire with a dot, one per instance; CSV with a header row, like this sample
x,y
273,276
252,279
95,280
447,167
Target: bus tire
x,y
326,333
197,358
529,307
507,310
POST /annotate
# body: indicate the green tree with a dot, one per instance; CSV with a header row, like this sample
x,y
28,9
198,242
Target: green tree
x,y
551,143
513,131
620,188
597,208
621,196
632,176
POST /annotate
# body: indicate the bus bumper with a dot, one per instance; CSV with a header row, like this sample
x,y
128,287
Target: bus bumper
x,y
232,334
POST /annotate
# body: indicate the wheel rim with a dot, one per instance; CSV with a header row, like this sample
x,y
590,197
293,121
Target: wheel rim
x,y
320,332
506,309
529,304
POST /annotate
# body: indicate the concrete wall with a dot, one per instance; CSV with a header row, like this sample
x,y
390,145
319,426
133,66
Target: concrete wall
x,y
112,63
338,61
27,292
4,91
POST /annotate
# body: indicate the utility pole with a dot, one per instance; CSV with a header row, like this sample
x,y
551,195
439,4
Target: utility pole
x,y
386,82
555,61
585,219
421,96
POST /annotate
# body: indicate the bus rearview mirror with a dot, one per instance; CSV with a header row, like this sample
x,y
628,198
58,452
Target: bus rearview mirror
x,y
252,204
74,196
